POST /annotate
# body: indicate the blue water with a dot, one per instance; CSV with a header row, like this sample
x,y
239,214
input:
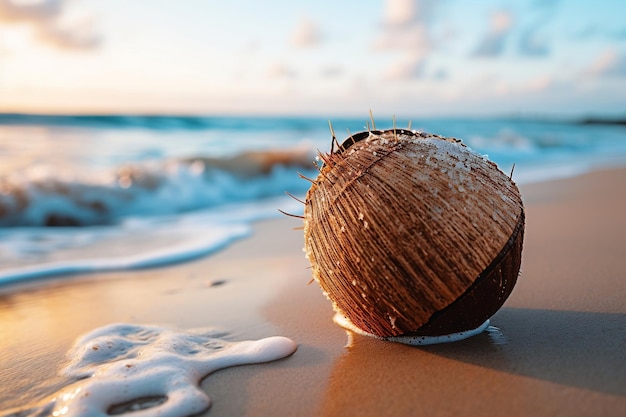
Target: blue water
x,y
134,191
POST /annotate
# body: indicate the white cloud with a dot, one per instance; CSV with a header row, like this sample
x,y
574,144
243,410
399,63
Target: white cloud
x,y
279,70
412,39
492,44
410,68
306,34
540,83
16,10
407,29
399,12
501,21
52,22
331,71
608,63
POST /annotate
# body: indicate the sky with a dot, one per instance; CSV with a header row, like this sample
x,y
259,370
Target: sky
x,y
318,57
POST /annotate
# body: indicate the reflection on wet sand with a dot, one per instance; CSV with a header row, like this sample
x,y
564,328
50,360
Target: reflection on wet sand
x,y
538,360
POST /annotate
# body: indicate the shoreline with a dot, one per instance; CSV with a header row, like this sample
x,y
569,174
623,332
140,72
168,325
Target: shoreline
x,y
555,348
24,276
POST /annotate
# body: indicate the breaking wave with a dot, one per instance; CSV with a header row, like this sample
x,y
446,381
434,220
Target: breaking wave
x,y
159,187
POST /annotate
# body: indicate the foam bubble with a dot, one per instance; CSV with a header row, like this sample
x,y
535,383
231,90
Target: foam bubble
x,y
344,322
149,370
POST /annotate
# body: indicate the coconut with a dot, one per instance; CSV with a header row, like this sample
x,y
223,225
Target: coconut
x,y
413,234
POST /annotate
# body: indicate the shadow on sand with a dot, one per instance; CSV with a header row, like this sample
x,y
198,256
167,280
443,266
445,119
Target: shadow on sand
x,y
573,349
579,349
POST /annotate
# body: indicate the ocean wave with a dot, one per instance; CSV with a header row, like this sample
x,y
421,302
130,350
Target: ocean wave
x,y
192,247
149,188
162,122
30,253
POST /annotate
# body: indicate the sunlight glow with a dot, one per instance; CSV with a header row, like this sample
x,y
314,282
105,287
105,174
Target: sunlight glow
x,y
188,57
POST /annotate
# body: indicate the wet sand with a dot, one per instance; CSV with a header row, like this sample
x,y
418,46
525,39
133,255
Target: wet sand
x,y
557,347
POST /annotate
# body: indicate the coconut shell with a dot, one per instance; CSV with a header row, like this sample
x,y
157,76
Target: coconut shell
x,y
413,233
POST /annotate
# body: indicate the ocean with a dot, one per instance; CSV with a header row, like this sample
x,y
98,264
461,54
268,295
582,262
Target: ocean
x,y
88,193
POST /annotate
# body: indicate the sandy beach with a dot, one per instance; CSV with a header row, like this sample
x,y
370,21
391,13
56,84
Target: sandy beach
x,y
556,348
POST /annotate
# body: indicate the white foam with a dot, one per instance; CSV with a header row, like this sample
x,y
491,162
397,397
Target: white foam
x,y
195,247
136,243
344,322
150,370
146,190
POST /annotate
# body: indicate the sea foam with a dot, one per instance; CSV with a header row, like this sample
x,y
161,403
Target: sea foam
x,y
344,322
35,253
37,197
148,370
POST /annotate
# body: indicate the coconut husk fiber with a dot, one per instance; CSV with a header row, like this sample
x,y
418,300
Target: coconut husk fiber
x,y
413,233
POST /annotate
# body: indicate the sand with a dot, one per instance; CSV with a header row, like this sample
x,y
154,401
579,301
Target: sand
x,y
557,347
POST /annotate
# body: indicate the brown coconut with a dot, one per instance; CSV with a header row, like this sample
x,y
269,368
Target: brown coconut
x,y
410,233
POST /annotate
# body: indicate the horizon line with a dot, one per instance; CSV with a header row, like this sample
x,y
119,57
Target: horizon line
x,y
580,118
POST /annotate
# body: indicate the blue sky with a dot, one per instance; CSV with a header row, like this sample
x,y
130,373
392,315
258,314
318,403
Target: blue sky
x,y
404,57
